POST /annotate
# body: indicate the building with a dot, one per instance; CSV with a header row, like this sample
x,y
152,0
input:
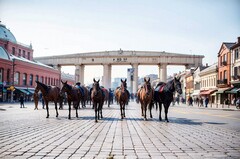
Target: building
x,y
18,70
208,83
235,73
224,71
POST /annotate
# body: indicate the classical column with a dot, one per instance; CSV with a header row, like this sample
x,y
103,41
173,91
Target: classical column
x,y
163,72
135,77
79,73
107,75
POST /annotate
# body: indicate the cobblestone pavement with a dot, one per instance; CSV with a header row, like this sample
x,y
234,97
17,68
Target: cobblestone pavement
x,y
26,133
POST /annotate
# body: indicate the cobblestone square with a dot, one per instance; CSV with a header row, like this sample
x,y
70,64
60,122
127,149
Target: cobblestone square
x,y
26,133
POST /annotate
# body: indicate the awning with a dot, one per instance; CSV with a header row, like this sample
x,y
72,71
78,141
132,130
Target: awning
x,y
220,91
30,91
207,92
23,91
234,90
196,93
214,94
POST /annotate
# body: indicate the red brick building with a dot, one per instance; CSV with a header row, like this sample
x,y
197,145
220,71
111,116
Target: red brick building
x,y
19,70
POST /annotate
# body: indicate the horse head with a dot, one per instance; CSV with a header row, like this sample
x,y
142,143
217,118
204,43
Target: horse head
x,y
65,88
96,86
42,87
124,84
177,85
147,86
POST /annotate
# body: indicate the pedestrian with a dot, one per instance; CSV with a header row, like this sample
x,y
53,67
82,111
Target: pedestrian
x,y
201,101
206,101
21,101
197,101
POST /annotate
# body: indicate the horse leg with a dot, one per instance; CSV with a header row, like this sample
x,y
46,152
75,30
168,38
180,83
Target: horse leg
x,y
150,109
69,109
95,107
121,109
160,110
166,106
47,109
124,110
98,110
56,108
76,107
101,110
145,111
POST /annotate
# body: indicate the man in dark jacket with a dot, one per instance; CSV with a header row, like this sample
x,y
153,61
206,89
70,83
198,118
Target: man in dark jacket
x,y
21,100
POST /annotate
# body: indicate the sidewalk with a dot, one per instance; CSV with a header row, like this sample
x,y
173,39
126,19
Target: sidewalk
x,y
210,106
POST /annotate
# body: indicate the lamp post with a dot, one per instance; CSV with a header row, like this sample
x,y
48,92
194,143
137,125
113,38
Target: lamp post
x,y
12,86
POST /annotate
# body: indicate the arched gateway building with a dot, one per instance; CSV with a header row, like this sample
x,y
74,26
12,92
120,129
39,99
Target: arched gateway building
x,y
122,57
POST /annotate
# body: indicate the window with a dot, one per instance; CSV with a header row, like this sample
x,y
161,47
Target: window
x,y
28,56
225,74
8,75
49,81
31,80
19,53
45,80
236,54
13,50
41,79
37,78
24,79
221,77
1,74
225,57
23,53
235,71
16,78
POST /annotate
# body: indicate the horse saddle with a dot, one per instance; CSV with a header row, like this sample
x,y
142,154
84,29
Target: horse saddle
x,y
160,87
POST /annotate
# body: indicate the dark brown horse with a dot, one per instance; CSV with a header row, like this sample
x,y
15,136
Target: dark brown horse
x,y
145,96
163,94
122,96
97,97
73,95
50,93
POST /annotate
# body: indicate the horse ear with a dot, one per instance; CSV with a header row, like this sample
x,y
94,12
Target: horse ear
x,y
62,82
121,80
149,79
36,81
94,80
98,80
144,79
125,80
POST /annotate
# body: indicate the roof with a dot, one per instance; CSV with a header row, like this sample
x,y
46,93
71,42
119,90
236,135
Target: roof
x,y
228,45
29,61
212,68
6,34
4,54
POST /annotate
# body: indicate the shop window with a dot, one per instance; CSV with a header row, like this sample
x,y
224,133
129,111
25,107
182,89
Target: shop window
x,y
1,74
16,78
37,78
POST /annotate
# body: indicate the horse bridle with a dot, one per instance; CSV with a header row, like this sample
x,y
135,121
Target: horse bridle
x,y
176,86
146,88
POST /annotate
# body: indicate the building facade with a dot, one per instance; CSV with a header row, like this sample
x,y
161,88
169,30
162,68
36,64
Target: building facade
x,y
18,70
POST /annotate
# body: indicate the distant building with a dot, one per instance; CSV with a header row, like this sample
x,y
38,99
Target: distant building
x,y
68,77
18,70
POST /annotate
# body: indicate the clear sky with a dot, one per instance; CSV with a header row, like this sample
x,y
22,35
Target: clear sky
x,y
58,27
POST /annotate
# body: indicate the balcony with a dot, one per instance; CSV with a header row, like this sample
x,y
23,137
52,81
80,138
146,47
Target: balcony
x,y
224,63
222,82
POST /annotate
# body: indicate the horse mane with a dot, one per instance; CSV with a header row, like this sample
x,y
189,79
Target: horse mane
x,y
45,87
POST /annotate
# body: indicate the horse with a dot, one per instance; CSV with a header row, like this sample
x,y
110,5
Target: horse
x,y
122,96
49,93
106,94
73,95
145,96
163,94
97,97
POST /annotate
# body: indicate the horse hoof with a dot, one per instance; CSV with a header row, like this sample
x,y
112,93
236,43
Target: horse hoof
x,y
96,121
56,116
69,117
167,121
145,119
47,117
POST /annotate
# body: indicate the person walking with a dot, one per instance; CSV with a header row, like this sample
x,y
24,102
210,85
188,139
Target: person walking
x,y
21,100
206,102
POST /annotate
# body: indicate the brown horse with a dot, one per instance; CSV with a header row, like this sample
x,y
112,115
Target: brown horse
x,y
73,95
97,97
106,95
145,96
50,93
122,96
